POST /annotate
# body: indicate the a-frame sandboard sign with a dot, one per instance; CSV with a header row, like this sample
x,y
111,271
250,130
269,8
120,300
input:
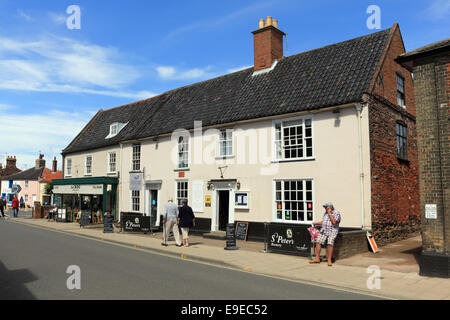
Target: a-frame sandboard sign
x,y
372,243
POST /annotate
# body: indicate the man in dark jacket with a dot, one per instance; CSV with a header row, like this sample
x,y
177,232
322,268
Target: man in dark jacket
x,y
186,220
2,209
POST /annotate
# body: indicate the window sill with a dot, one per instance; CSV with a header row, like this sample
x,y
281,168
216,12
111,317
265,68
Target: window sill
x,y
224,157
135,171
404,161
293,160
183,169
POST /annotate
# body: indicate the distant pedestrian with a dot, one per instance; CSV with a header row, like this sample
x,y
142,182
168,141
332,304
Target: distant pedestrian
x,y
5,204
170,223
2,207
15,207
328,232
22,202
186,220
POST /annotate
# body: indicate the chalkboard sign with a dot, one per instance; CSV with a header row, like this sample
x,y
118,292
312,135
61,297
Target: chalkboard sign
x,y
231,237
241,230
85,218
108,224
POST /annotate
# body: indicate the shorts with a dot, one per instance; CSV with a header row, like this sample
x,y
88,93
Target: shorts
x,y
185,233
322,238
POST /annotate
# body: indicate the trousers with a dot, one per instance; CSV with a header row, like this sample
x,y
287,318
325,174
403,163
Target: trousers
x,y
171,224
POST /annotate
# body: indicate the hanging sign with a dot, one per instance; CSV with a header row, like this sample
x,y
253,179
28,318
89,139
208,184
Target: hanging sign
x,y
135,181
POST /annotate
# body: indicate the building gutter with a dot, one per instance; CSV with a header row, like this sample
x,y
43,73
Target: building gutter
x,y
359,108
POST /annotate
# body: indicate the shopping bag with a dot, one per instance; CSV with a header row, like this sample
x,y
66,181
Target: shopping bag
x,y
314,232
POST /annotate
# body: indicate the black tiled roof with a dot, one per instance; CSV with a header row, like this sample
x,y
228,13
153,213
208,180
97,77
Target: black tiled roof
x,y
333,75
30,174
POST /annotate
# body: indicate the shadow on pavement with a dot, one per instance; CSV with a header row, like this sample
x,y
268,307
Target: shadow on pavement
x,y
12,284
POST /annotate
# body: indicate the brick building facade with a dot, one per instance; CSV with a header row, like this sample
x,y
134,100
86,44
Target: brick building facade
x,y
431,67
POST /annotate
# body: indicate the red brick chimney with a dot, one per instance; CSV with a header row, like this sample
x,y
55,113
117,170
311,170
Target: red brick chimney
x,y
55,165
11,162
268,43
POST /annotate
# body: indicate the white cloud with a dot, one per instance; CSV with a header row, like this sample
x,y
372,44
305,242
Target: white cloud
x,y
54,64
25,135
171,73
58,18
4,106
439,9
24,16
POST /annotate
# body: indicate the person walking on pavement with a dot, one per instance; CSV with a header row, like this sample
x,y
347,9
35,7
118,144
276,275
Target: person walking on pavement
x,y
22,203
170,223
15,207
2,205
186,220
328,232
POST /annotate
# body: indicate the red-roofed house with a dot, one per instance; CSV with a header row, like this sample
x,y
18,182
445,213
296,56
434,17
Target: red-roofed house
x,y
47,177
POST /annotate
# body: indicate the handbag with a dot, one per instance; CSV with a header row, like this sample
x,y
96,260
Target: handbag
x,y
314,232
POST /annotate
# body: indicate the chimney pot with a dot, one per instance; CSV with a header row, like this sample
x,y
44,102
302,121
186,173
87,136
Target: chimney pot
x,y
55,165
261,23
275,23
269,21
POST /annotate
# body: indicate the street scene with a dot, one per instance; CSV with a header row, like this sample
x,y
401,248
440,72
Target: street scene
x,y
231,154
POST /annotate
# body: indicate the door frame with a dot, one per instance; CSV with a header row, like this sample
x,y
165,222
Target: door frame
x,y
148,200
215,207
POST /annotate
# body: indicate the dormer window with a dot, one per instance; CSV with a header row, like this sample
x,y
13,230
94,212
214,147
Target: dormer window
x,y
115,128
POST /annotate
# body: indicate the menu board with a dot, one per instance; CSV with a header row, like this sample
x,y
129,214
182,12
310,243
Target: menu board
x,y
241,230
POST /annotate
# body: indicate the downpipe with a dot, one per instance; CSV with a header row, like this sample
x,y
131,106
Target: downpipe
x,y
359,108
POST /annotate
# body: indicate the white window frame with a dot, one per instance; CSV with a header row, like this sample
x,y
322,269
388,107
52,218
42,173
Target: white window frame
x,y
26,198
110,163
86,173
402,91
283,200
280,140
241,206
183,152
136,157
135,205
115,128
227,141
26,184
68,167
177,196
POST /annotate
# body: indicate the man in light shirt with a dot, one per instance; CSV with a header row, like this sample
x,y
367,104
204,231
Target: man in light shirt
x,y
170,223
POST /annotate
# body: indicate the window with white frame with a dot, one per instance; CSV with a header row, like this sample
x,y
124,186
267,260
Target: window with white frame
x,y
135,200
226,143
88,166
183,152
68,167
115,128
136,165
182,192
112,158
26,184
294,200
293,139
26,198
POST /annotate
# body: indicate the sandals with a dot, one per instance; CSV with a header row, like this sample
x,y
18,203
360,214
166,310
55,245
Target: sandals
x,y
314,261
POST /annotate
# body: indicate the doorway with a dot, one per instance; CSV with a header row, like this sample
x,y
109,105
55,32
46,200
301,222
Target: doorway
x,y
223,208
153,207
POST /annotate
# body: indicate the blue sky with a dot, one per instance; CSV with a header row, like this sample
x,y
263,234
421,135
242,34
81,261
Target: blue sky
x,y
53,79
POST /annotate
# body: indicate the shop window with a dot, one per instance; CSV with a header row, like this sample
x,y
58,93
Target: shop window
x,y
182,192
293,139
294,201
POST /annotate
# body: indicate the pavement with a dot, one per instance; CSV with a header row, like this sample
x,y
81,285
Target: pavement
x,y
393,273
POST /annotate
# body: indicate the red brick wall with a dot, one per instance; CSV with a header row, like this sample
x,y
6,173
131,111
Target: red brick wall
x,y
386,81
268,47
394,182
